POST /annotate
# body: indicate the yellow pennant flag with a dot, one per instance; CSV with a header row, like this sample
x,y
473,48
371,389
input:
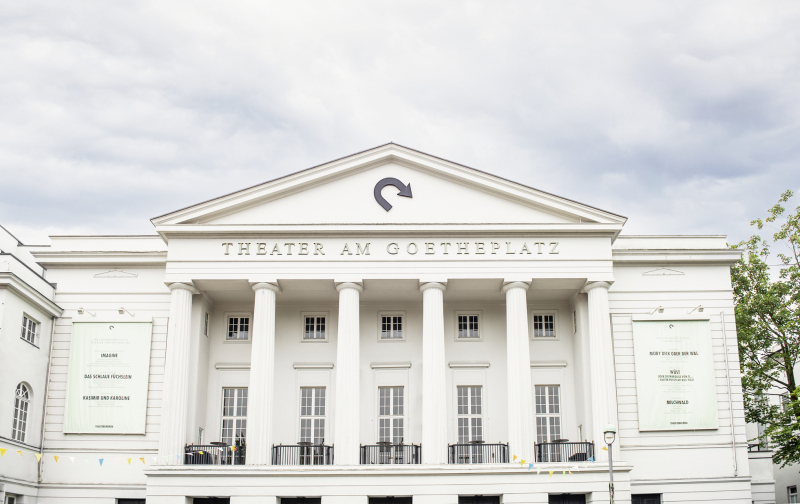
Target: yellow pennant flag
x,y
233,448
142,459
2,452
605,448
515,458
522,463
38,456
55,457
551,474
129,461
20,452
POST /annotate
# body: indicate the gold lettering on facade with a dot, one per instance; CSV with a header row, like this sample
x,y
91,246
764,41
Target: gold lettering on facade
x,y
554,246
392,248
539,246
508,248
303,249
262,248
429,248
408,248
275,250
462,246
525,248
318,249
346,249
495,246
360,251
288,248
244,250
479,246
227,248
444,246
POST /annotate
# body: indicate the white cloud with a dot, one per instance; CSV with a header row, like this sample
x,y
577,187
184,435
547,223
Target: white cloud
x,y
682,115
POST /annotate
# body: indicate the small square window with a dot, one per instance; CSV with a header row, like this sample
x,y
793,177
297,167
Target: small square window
x,y
468,326
315,327
238,328
543,324
29,329
391,326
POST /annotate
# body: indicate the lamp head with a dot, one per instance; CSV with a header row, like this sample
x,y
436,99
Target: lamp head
x,y
610,434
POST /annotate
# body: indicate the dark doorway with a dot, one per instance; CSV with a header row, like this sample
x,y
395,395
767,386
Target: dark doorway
x,y
567,499
130,501
211,500
478,499
301,500
390,500
646,499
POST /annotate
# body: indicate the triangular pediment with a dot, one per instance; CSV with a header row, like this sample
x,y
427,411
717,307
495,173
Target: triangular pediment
x,y
343,192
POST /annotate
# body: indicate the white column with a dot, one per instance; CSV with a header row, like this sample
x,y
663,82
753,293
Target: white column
x,y
434,385
174,400
262,376
601,362
346,424
518,362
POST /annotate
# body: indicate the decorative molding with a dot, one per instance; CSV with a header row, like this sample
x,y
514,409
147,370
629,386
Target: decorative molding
x,y
116,273
454,364
662,272
313,365
230,366
548,364
390,365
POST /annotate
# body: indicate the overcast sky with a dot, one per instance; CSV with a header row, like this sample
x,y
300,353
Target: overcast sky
x,y
682,116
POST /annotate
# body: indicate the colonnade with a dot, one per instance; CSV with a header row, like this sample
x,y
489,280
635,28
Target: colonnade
x,y
521,426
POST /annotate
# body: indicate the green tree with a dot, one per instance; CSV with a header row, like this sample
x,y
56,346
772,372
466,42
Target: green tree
x,y
768,325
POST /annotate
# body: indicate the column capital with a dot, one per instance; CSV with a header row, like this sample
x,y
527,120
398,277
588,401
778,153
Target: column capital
x,y
359,286
515,284
423,286
266,285
593,285
183,285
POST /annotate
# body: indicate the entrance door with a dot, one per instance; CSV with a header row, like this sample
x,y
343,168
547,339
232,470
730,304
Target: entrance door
x,y
390,500
646,499
567,499
478,499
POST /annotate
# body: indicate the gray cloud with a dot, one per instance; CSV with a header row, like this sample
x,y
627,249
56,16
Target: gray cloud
x,y
683,116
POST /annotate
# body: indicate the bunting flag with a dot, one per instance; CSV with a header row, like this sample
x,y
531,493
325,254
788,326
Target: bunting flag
x,y
142,459
233,448
86,461
551,474
515,458
538,470
522,463
72,459
20,452
38,457
2,452
155,460
530,466
101,462
55,457
605,448
591,459
564,473
129,461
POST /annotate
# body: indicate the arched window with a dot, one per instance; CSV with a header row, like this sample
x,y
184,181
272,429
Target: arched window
x,y
22,398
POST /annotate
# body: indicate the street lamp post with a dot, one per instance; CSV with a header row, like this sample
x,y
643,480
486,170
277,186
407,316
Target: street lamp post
x,y
610,435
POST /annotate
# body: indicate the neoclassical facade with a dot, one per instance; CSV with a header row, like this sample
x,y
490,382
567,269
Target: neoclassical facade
x,y
386,327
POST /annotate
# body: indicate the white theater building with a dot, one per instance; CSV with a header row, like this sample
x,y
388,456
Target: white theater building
x,y
298,342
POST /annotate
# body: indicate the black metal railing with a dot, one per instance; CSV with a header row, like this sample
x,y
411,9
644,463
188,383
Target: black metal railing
x,y
564,452
302,455
758,447
478,453
214,455
391,454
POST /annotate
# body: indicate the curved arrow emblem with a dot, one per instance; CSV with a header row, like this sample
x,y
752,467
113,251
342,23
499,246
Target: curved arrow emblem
x,y
405,190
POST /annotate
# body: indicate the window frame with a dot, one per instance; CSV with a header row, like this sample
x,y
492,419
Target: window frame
x,y
471,415
228,316
207,323
327,337
481,328
313,417
36,329
392,416
531,328
789,493
234,417
404,327
548,415
17,433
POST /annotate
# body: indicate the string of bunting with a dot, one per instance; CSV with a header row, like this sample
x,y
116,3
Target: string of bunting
x,y
564,472
105,460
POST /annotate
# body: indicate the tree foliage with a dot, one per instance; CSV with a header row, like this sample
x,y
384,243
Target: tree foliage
x,y
767,297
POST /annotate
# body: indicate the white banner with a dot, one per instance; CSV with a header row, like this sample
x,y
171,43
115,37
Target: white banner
x,y
674,375
109,365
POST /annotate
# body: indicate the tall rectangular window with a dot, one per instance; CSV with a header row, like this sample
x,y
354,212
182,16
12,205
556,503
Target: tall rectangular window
x,y
548,413
544,325
470,414
312,415
468,326
391,415
792,491
314,327
205,325
238,328
28,330
234,416
391,327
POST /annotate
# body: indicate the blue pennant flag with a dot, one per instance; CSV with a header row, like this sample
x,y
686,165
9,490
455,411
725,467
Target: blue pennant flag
x,y
591,459
530,466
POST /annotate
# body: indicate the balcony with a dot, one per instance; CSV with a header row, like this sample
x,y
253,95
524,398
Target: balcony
x,y
478,453
302,455
564,452
386,453
214,454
